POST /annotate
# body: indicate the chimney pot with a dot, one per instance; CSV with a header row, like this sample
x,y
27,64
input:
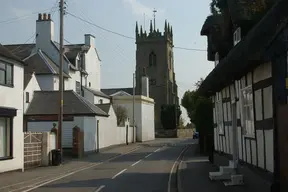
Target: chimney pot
x,y
44,16
49,16
39,16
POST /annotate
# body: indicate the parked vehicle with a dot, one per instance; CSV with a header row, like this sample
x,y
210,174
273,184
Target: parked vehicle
x,y
196,135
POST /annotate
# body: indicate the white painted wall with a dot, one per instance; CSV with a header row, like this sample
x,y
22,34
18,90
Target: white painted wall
x,y
45,34
144,115
67,132
92,63
30,88
98,98
90,136
13,97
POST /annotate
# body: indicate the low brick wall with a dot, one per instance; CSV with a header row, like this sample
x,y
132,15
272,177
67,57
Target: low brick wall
x,y
168,133
185,133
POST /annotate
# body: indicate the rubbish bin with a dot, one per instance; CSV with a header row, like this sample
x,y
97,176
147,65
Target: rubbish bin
x,y
56,157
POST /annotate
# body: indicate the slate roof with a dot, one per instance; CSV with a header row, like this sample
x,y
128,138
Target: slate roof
x,y
97,93
27,78
111,91
105,107
6,53
21,50
47,103
40,63
251,48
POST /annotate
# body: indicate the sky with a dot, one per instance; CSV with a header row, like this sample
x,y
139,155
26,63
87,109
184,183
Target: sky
x,y
117,53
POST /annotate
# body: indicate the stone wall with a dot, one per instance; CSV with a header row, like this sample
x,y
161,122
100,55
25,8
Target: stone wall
x,y
185,133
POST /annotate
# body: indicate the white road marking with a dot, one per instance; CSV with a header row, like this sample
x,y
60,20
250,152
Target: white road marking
x,y
119,173
100,188
158,149
35,185
148,155
136,162
47,182
173,167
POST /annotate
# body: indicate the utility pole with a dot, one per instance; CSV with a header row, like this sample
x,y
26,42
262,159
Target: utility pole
x,y
133,116
60,118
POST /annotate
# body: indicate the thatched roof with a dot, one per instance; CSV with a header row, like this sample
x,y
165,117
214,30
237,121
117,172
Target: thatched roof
x,y
211,21
252,48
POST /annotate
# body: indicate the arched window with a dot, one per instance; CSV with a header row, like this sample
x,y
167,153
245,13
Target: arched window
x,y
152,59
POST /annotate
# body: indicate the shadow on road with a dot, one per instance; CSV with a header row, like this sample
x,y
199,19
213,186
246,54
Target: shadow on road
x,y
127,182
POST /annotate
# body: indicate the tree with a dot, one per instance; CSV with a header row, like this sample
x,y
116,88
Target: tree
x,y
121,114
199,108
181,123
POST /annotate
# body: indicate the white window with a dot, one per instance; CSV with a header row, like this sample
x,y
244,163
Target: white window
x,y
219,113
5,138
247,111
6,74
78,87
237,36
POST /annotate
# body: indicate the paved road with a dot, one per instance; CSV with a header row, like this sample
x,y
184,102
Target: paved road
x,y
148,169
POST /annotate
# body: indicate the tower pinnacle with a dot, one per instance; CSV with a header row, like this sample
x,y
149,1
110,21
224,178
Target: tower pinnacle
x,y
154,16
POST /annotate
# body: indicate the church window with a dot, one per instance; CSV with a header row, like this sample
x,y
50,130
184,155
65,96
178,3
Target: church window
x,y
152,59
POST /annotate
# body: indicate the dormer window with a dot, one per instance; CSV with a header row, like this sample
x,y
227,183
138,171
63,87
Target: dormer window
x,y
216,58
237,36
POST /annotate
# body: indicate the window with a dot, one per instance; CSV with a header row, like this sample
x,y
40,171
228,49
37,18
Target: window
x,y
237,36
89,84
78,87
247,111
152,59
101,101
6,74
5,137
219,113
27,97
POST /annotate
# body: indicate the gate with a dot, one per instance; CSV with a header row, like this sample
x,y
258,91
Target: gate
x,y
32,149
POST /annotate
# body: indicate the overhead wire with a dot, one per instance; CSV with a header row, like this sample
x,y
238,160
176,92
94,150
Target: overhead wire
x,y
122,35
118,49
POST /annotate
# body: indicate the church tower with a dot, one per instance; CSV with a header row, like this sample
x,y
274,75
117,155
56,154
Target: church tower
x,y
154,58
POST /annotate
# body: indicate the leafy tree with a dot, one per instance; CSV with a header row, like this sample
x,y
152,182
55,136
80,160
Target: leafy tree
x,y
121,114
199,108
181,123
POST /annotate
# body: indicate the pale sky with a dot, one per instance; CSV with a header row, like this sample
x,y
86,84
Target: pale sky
x,y
17,23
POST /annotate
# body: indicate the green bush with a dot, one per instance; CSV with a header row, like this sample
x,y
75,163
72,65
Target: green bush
x,y
170,116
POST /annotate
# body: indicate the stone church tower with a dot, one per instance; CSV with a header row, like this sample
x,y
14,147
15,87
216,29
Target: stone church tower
x,y
154,58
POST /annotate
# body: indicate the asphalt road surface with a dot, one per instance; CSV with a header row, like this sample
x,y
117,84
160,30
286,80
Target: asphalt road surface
x,y
148,169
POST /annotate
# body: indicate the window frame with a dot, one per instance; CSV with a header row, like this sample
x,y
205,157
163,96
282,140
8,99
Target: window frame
x,y
76,90
152,59
248,131
10,153
5,73
27,95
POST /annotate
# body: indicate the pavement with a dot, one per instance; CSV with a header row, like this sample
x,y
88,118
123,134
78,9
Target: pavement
x,y
144,167
193,172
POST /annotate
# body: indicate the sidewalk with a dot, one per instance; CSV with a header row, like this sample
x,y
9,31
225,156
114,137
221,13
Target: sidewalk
x,y
17,180
194,171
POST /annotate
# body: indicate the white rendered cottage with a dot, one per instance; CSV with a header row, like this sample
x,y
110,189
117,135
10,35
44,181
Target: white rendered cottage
x,y
11,111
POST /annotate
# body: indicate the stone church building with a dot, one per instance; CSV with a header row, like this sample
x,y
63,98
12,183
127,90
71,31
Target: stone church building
x,y
154,58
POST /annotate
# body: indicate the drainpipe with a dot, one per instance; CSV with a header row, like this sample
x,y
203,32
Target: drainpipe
x,y
82,56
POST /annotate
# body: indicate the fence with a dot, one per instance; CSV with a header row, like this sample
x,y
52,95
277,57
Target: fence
x,y
32,149
37,148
